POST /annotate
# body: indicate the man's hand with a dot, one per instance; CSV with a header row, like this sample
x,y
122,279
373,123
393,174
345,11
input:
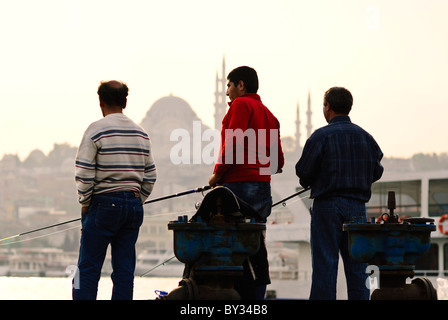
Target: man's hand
x,y
84,210
214,179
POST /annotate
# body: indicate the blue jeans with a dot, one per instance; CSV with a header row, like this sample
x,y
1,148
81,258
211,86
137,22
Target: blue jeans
x,y
115,219
327,241
258,196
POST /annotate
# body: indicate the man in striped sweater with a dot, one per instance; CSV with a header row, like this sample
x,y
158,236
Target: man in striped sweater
x,y
115,174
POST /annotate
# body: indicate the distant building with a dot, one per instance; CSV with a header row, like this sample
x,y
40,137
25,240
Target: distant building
x,y
220,96
309,125
163,117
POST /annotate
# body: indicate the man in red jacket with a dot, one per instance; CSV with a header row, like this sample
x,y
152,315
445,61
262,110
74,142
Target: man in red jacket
x,y
250,152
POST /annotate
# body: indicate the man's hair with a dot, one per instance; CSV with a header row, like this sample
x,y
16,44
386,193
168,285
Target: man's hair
x,y
340,100
246,74
113,94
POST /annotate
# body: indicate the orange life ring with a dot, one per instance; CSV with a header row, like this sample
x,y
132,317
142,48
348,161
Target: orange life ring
x,y
443,218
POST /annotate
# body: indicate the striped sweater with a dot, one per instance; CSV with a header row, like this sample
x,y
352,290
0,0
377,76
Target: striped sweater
x,y
114,155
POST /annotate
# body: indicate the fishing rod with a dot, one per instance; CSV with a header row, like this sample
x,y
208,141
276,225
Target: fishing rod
x,y
159,265
283,201
199,189
39,229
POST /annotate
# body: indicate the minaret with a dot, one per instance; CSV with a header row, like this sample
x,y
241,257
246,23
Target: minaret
x,y
298,147
220,96
309,126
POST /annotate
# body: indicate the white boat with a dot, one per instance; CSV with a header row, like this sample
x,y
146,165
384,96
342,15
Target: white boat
x,y
418,194
40,262
57,262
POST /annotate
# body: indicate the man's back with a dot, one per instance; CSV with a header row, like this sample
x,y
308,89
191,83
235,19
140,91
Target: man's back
x,y
262,131
115,155
340,159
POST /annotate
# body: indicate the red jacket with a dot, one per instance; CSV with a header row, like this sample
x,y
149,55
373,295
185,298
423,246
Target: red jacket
x,y
250,133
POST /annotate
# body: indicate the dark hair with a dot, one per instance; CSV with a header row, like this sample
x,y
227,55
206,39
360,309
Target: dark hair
x,y
113,93
246,74
340,100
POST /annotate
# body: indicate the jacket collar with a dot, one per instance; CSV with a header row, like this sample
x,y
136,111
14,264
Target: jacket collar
x,y
340,118
248,95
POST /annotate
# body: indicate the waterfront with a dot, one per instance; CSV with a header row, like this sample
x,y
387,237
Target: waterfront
x,y
43,288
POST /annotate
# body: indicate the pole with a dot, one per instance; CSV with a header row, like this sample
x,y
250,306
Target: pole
x,y
291,196
39,229
199,189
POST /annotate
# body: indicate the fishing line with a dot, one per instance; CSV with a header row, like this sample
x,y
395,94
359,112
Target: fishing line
x,y
159,265
41,236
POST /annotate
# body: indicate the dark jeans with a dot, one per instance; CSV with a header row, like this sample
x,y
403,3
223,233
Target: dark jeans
x,y
115,219
327,241
258,195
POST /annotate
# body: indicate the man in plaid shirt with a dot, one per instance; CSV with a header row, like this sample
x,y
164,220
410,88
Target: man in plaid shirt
x,y
340,161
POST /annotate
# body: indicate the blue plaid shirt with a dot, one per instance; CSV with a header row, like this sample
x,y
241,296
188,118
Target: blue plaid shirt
x,y
340,159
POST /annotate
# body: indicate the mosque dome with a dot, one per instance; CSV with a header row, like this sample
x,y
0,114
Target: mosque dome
x,y
166,115
169,107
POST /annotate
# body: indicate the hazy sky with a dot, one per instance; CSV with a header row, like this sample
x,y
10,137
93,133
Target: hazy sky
x,y
392,56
